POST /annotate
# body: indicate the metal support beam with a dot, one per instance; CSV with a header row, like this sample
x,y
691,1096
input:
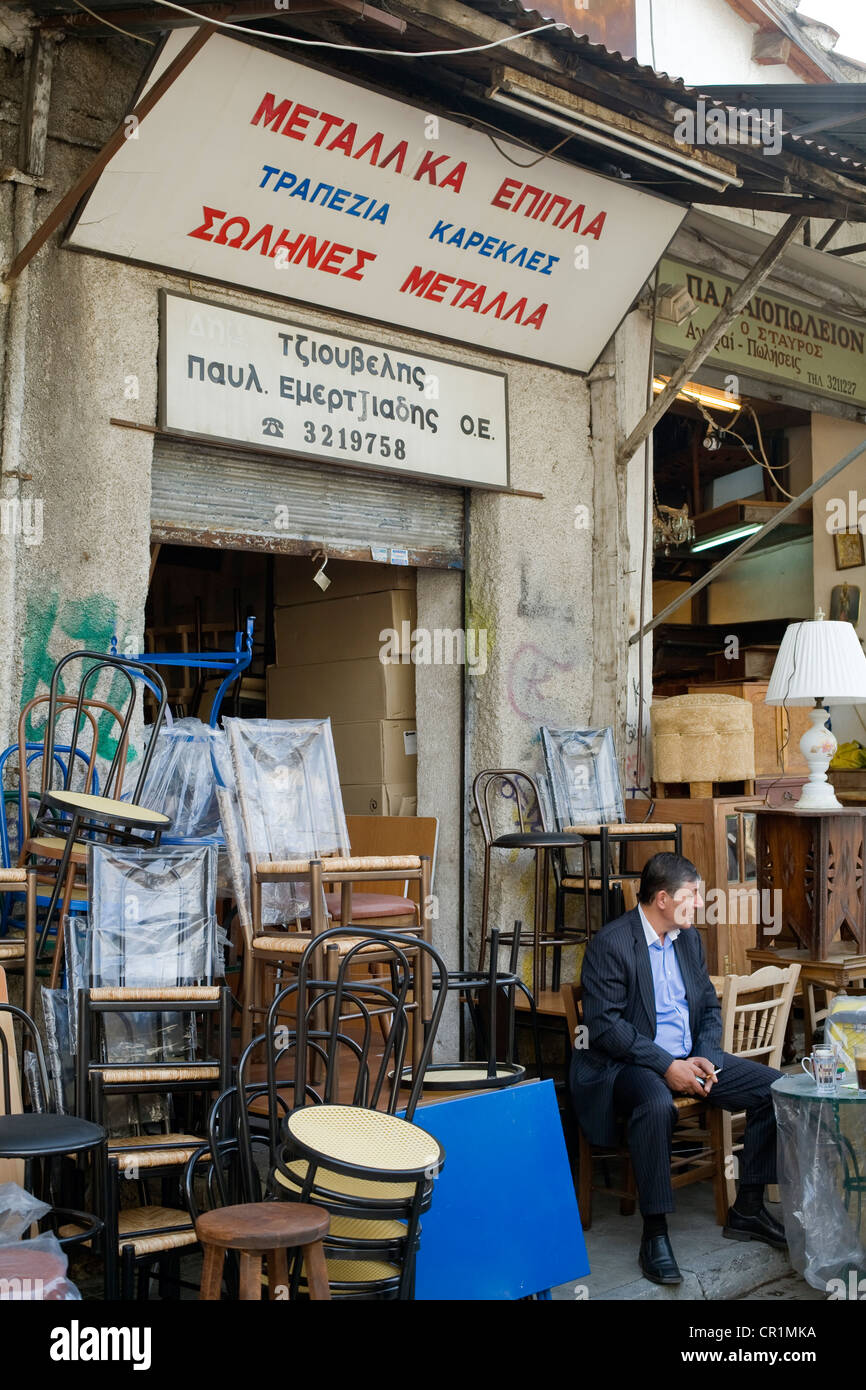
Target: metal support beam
x,y
717,329
81,186
750,542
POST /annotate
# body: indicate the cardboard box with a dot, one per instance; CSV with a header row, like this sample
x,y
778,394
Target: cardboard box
x,y
384,750
381,800
293,579
347,692
345,630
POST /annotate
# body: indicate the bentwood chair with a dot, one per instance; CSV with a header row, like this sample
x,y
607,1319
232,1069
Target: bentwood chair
x,y
697,1155
225,1195
755,1013
510,797
333,1090
67,815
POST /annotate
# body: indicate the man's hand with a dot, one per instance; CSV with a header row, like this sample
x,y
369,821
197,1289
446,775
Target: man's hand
x,y
682,1076
706,1068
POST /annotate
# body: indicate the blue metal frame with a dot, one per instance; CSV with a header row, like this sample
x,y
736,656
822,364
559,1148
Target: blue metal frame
x,y
234,663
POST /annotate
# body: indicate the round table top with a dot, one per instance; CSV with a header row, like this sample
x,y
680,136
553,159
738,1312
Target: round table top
x,y
803,1088
538,839
107,807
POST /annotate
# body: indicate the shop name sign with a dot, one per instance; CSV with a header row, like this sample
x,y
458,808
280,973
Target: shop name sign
x,y
257,171
241,377
774,337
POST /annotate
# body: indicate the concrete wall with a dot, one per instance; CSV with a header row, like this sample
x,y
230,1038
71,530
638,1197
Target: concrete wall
x,y
705,41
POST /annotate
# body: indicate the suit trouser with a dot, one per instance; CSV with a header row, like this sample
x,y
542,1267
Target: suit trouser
x,y
642,1097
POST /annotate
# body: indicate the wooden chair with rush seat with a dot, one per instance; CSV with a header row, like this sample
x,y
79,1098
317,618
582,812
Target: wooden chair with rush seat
x,y
698,1151
755,1013
290,832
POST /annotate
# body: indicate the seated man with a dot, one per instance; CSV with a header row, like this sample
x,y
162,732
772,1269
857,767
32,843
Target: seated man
x,y
654,1027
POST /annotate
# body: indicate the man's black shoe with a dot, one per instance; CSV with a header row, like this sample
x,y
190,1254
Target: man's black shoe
x,y
657,1260
761,1226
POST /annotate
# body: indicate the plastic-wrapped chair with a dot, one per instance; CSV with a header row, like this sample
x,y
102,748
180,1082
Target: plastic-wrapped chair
x,y
587,799
144,987
284,810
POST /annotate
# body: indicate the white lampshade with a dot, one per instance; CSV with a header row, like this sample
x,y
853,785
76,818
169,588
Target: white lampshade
x,y
818,659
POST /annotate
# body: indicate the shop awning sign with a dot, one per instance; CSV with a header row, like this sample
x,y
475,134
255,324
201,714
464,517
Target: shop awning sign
x,y
275,384
774,338
257,171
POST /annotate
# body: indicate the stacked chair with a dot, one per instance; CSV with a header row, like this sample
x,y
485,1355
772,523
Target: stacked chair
x,y
153,1035
335,1047
287,841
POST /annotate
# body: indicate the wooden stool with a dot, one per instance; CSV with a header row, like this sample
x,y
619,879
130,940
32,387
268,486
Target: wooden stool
x,y
257,1228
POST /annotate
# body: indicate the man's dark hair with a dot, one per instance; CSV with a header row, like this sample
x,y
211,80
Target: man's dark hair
x,y
665,872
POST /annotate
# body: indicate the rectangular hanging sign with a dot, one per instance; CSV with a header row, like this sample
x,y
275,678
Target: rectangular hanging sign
x,y
258,171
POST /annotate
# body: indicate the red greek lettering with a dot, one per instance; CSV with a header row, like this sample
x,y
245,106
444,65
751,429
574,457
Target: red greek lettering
x,y
211,216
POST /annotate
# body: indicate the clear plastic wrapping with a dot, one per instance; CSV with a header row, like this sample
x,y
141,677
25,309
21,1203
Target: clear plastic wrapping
x,y
822,1155
152,916
59,1056
584,777
18,1210
288,799
181,781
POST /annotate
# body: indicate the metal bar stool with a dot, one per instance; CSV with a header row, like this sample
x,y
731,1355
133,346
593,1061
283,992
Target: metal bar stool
x,y
521,787
41,1138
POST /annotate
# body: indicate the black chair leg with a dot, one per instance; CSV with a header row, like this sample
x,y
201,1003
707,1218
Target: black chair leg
x,y
127,1273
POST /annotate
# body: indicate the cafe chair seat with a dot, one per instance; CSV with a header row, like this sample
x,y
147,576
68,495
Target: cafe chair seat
x,y
295,943
145,1229
618,829
118,1075
13,948
162,1151
339,1186
366,905
30,1135
8,876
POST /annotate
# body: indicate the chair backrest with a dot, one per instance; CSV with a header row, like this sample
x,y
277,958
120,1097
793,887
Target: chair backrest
x,y
507,799
127,674
755,1011
289,800
385,835
152,916
584,778
24,798
348,1040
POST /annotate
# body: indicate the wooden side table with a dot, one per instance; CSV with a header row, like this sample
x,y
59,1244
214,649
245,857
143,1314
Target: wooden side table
x,y
815,860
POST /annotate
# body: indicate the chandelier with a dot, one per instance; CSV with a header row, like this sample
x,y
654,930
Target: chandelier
x,y
671,527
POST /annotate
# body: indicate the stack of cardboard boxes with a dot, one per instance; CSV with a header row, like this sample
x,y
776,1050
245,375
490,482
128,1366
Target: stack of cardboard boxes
x,y
329,663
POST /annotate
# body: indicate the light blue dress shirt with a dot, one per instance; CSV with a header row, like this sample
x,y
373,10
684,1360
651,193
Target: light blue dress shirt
x,y
672,1007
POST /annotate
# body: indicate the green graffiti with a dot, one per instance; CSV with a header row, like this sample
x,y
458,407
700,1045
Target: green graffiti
x,y
90,623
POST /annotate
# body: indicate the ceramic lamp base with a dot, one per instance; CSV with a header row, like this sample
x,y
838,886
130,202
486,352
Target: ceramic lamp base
x,y
818,746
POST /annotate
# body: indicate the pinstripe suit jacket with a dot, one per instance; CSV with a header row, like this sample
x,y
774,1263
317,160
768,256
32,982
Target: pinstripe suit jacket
x,y
620,1015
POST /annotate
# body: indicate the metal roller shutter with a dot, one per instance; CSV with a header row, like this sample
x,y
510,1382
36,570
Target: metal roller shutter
x,y
229,499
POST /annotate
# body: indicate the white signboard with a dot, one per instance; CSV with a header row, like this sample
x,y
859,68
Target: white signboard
x,y
257,171
237,376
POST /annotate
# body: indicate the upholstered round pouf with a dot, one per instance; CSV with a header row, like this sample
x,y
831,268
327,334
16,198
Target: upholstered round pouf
x,y
703,738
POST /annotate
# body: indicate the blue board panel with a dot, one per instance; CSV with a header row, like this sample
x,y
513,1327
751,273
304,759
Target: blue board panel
x,y
504,1220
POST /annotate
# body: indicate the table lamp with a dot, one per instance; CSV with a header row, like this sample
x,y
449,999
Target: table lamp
x,y
818,661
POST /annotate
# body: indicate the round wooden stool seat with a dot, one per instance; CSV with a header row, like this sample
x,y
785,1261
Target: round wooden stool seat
x,y
262,1226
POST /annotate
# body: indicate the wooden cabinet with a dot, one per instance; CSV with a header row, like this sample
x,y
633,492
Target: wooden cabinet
x,y
812,861
777,731
719,837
